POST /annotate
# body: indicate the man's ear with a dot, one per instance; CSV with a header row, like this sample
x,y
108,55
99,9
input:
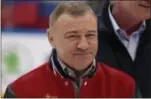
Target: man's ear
x,y
50,37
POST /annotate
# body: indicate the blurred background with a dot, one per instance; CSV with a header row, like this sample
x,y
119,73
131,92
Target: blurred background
x,y
24,39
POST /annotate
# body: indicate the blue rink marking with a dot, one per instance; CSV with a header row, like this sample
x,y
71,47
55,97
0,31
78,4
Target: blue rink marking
x,y
23,31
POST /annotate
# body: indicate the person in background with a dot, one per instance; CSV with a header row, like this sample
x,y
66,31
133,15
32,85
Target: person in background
x,y
96,5
124,39
72,70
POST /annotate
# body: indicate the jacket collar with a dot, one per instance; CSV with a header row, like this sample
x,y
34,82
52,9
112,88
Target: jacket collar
x,y
104,23
56,67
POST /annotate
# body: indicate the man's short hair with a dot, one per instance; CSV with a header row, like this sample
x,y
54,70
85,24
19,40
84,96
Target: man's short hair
x,y
72,8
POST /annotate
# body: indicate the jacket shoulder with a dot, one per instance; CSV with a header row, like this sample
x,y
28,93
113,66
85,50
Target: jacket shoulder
x,y
116,74
33,73
120,80
31,79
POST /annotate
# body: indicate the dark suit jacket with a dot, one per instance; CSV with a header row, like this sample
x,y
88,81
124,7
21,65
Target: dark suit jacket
x,y
113,52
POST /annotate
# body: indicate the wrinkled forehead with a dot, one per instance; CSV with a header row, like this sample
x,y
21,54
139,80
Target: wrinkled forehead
x,y
75,23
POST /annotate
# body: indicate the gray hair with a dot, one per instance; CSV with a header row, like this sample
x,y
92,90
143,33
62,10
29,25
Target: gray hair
x,y
73,8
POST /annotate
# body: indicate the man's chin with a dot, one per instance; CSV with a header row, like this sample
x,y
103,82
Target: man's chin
x,y
143,17
146,17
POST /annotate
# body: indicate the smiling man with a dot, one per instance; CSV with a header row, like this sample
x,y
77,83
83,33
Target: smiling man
x,y
124,39
72,70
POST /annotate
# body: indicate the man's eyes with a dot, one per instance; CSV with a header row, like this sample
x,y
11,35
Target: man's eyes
x,y
73,36
78,36
90,35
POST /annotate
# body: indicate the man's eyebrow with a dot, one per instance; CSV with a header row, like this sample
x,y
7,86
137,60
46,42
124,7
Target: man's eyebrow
x,y
92,31
76,31
72,32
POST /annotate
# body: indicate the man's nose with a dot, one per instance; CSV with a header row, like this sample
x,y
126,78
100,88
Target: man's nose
x,y
83,44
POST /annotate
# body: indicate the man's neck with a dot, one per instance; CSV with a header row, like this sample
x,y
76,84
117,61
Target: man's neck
x,y
78,73
125,21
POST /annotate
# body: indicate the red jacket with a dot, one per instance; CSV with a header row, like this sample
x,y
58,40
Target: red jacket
x,y
43,82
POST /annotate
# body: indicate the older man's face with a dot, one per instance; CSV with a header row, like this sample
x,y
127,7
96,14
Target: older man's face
x,y
139,9
75,39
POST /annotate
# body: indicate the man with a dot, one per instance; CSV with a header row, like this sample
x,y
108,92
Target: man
x,y
124,39
72,70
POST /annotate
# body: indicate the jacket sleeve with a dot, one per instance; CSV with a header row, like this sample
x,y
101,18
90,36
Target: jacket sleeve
x,y
137,93
9,93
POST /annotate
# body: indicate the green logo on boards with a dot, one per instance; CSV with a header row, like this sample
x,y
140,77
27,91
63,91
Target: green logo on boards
x,y
11,61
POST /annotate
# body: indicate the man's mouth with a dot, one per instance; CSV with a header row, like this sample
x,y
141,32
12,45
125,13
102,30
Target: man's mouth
x,y
82,53
145,4
85,53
